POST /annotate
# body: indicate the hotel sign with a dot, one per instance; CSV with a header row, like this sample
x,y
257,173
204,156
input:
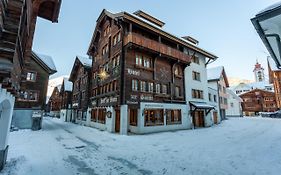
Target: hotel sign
x,y
108,100
133,72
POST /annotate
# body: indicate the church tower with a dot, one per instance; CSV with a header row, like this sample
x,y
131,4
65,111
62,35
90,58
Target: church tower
x,y
259,72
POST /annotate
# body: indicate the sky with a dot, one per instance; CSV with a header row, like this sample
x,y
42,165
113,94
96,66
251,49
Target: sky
x,y
222,27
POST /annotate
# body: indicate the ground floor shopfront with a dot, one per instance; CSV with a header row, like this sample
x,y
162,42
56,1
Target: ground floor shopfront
x,y
146,117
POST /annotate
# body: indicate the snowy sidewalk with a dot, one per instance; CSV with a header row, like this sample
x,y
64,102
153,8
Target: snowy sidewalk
x,y
238,146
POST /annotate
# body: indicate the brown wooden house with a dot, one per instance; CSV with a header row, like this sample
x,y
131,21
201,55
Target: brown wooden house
x,y
17,24
275,78
258,100
66,100
138,74
55,102
81,78
33,89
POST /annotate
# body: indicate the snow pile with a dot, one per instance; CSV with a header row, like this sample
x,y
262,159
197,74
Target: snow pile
x,y
85,61
237,146
214,73
48,60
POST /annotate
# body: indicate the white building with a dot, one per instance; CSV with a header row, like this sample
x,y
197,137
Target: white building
x,y
197,92
234,105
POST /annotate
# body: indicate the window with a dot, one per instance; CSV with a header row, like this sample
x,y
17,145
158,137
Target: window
x,y
195,59
135,85
197,94
138,60
173,116
196,76
231,105
28,96
146,62
106,31
215,98
31,76
177,71
210,97
164,89
83,95
150,87
157,88
143,86
116,38
177,91
133,117
153,117
224,90
225,101
105,49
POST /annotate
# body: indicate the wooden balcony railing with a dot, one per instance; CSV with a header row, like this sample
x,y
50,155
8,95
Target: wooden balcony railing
x,y
156,46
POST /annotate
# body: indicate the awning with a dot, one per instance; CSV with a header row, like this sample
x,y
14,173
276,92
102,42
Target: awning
x,y
200,105
268,26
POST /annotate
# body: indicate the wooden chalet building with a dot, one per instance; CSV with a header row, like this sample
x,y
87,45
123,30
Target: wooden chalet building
x,y
80,76
17,26
33,89
256,101
55,102
275,78
138,75
66,100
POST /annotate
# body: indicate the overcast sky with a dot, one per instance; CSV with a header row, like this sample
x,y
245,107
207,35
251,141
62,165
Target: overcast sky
x,y
222,27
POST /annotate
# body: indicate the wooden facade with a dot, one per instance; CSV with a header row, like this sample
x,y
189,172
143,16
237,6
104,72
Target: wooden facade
x,y
17,24
55,100
66,94
134,62
257,101
33,87
81,78
275,78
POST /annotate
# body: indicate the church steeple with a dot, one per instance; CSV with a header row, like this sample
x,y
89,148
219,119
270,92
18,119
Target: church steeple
x,y
259,72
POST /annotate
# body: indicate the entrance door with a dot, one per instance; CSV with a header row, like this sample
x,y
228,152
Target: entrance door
x,y
117,120
198,119
215,115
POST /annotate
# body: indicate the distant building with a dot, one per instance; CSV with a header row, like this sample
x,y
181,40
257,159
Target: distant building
x,y
214,101
33,89
80,76
259,72
54,103
66,100
256,101
217,79
234,105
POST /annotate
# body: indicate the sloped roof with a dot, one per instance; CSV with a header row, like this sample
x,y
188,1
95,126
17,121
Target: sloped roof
x,y
259,85
85,61
46,61
150,25
215,73
230,92
270,8
67,85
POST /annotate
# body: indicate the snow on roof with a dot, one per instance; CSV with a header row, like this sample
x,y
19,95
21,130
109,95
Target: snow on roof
x,y
48,60
272,64
214,73
230,92
85,61
67,85
270,8
202,105
259,85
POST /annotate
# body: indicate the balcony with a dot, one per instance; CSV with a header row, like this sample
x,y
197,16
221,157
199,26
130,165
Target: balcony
x,y
157,47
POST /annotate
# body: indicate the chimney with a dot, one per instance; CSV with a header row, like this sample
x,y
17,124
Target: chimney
x,y
191,39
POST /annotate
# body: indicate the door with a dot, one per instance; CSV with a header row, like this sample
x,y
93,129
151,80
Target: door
x,y
198,119
117,120
215,115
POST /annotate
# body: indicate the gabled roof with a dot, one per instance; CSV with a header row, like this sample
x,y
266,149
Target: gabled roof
x,y
45,61
67,85
79,60
151,26
215,73
230,92
254,91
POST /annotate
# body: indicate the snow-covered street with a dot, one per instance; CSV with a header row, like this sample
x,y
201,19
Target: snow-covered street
x,y
237,146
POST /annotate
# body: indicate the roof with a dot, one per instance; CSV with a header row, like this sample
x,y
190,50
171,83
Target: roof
x,y
272,64
267,24
259,85
214,73
202,105
67,85
230,92
85,61
256,90
158,29
46,61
